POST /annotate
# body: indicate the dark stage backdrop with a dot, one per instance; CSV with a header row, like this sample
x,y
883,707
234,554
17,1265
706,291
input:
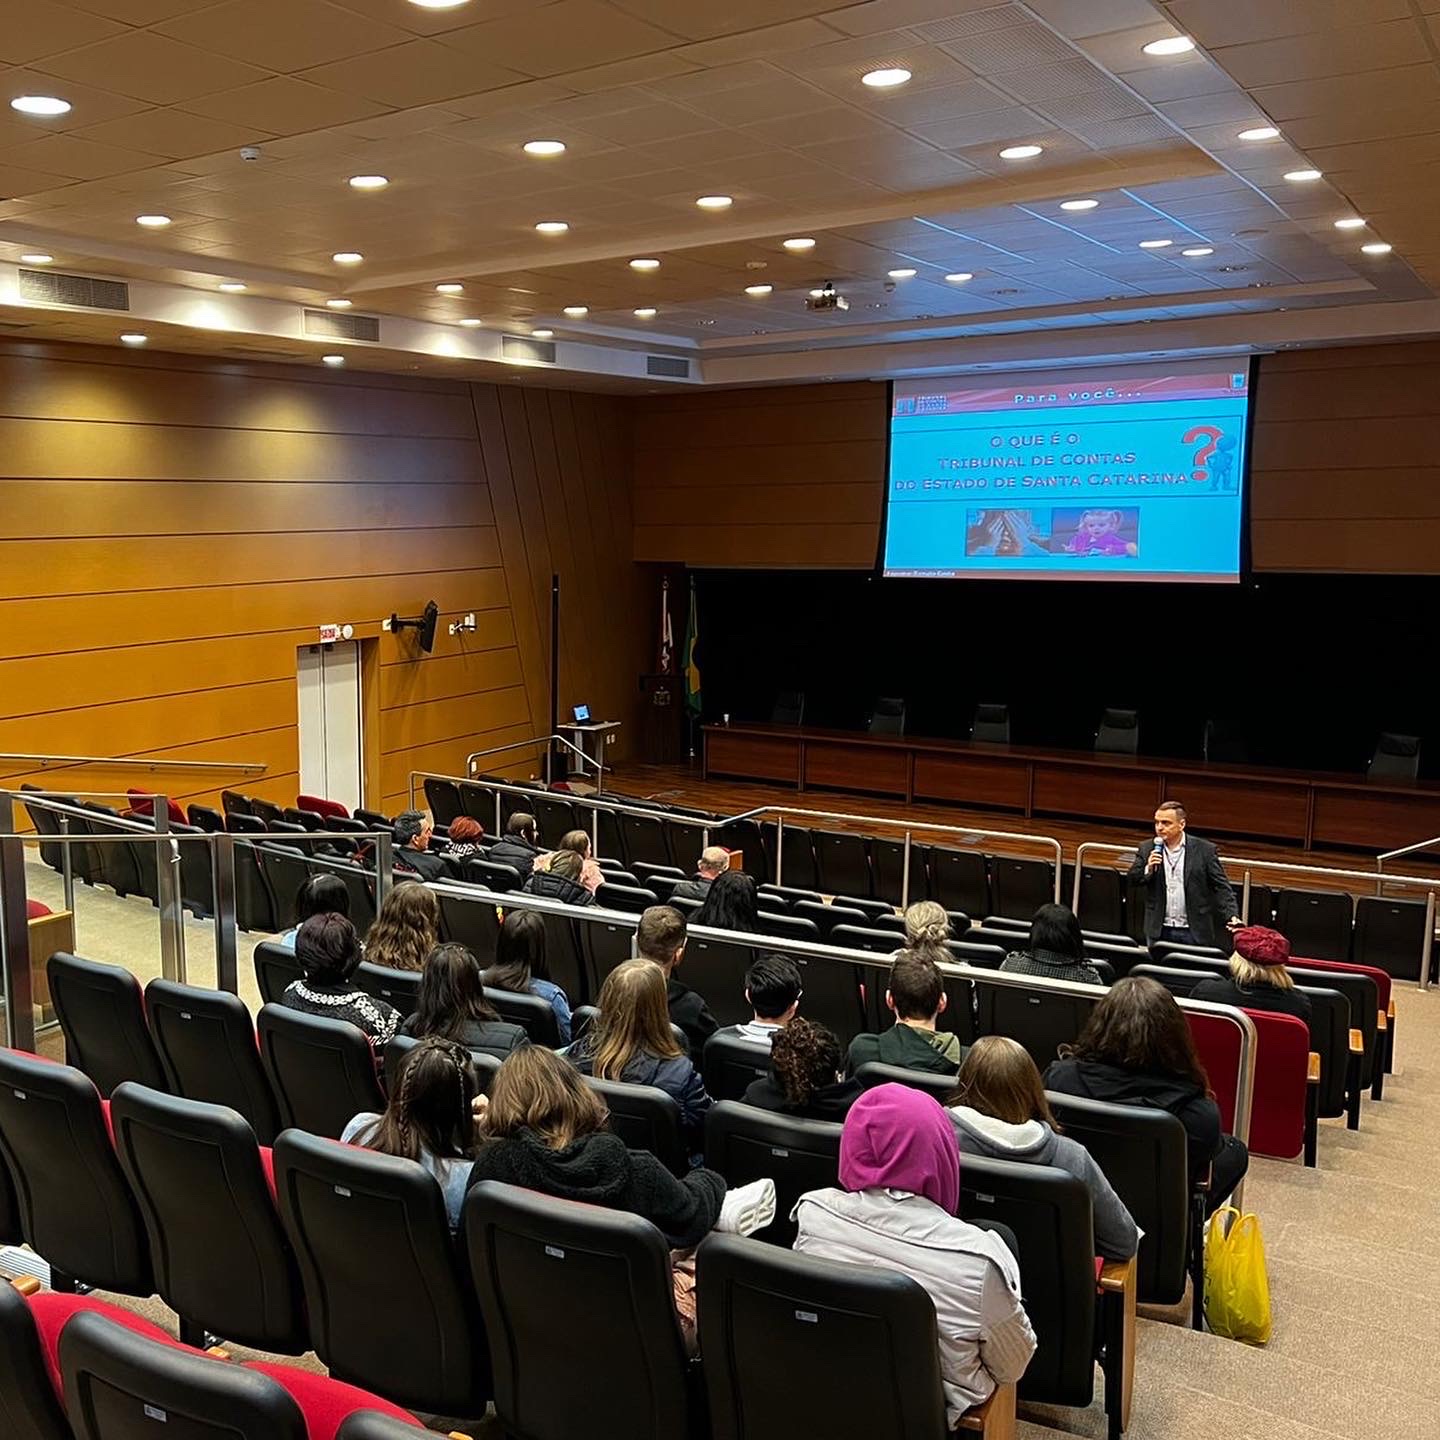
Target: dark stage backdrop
x,y
1298,671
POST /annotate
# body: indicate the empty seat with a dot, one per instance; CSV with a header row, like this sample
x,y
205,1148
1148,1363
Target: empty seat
x,y
783,896
584,1260
206,1042
101,1009
975,949
255,908
644,837
797,859
630,899
1315,922
1102,899
1120,959
958,880
873,1073
443,798
827,917
887,716
1020,887
991,724
731,1064
604,944
1118,732
788,927
645,1118
789,708
492,875
873,909
888,868
116,863
1389,934
276,968
47,822
832,994
287,868
556,815
1396,757
472,922
862,937
321,1070
842,862
221,1260
1041,1020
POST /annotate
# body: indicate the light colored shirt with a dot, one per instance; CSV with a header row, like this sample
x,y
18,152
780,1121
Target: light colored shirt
x,y
762,1032
1174,863
453,1176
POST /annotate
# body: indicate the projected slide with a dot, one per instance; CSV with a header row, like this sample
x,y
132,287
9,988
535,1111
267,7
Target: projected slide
x,y
1125,475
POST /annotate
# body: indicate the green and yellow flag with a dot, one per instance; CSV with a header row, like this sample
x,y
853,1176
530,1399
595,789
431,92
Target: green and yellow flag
x,y
690,666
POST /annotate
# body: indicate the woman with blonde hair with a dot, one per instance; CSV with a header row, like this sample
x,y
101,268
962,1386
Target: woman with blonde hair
x,y
927,928
1000,1112
632,1040
577,841
406,929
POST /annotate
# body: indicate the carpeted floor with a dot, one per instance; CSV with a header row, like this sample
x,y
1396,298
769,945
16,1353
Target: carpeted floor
x,y
1353,1249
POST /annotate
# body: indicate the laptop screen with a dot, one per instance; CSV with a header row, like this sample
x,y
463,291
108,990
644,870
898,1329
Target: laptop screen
x,y
582,714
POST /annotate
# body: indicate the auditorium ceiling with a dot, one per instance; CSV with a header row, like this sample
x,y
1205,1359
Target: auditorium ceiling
x,y
1040,186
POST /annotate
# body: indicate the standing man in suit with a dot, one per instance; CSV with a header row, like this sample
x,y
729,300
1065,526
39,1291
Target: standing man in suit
x,y
1188,900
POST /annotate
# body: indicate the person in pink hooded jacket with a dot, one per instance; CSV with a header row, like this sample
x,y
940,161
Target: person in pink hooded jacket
x,y
900,1173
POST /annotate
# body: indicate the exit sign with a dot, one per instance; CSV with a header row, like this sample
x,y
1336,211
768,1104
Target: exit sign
x,y
329,634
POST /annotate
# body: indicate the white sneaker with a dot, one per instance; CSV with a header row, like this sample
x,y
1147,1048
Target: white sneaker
x,y
748,1208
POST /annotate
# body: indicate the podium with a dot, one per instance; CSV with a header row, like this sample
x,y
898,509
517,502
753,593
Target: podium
x,y
590,738
663,718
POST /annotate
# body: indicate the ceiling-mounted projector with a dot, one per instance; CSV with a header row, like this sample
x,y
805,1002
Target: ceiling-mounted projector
x,y
827,297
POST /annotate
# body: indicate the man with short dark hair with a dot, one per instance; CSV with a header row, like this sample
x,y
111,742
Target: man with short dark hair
x,y
661,938
772,989
916,996
413,829
1188,900
714,861
519,846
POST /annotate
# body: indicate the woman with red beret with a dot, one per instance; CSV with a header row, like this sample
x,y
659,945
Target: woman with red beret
x,y
1258,977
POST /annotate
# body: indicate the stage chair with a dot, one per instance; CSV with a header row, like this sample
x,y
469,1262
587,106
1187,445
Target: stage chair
x,y
1396,757
991,724
1118,732
887,716
789,708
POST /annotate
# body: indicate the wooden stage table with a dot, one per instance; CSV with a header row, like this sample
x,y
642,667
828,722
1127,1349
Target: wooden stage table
x,y
1318,811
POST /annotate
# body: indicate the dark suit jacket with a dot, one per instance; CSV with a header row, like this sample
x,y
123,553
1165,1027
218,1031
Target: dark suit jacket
x,y
1209,900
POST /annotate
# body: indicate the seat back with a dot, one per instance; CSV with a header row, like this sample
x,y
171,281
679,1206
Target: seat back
x,y
221,1259
862,937
1041,1020
1282,1056
644,837
887,717
628,899
255,908
1389,934
47,822
842,861
1396,757
605,944
959,880
563,956
1218,1044
791,927
645,1118
206,1041
530,1012
1362,1003
731,1064
1143,1155
492,875
745,1143
487,1066
1329,1030
1118,732
1049,1211
874,1073
472,923
716,969
321,1070
778,1328
1315,922
1102,899
789,708
29,1407
443,798
832,994
276,968
101,1009
75,1207
1020,887
887,858
400,988
382,1288
120,1386
991,724
585,1260
797,858
1120,959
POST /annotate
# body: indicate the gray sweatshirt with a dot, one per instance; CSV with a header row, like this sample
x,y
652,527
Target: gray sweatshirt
x,y
1117,1237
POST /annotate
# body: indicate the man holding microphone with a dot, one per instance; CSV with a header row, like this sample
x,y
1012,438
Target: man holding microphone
x,y
1188,900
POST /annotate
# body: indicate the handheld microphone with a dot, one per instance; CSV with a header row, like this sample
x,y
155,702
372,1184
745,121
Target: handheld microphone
x,y
1159,843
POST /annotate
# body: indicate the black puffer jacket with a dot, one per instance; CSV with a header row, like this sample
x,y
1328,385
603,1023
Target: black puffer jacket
x,y
516,852
556,887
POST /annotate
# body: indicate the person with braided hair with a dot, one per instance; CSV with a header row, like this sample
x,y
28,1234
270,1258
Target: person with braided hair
x,y
805,1077
430,1118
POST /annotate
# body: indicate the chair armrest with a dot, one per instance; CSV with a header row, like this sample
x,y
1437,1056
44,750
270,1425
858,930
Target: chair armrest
x,y
1118,1292
1357,1043
1116,1275
995,1419
1382,1020
27,1285
1312,1074
1312,1109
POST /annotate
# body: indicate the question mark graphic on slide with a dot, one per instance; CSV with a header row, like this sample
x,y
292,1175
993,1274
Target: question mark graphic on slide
x,y
1205,451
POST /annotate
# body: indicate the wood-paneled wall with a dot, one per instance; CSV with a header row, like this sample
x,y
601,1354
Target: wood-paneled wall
x,y
172,530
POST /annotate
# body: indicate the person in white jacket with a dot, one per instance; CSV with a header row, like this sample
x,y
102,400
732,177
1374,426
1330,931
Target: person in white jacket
x,y
900,1173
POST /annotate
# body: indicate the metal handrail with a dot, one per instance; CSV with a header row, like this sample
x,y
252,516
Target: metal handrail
x,y
596,804
244,767
546,740
1380,877
1430,884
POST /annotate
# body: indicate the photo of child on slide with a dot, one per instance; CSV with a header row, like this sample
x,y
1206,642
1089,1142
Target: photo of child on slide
x,y
1096,532
1007,532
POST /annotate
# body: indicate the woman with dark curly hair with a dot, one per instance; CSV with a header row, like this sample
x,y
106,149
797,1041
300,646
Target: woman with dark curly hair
x,y
805,1077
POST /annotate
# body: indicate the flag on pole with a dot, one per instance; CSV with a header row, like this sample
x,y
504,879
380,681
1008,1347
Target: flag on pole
x,y
689,664
667,635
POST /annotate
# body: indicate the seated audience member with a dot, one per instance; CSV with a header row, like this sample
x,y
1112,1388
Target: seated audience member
x,y
430,1118
730,904
559,880
591,875
714,862
464,838
1000,1112
660,937
631,1040
518,846
895,1210
916,996
1258,977
452,1005
521,968
406,929
805,1079
1056,949
1136,1049
328,951
413,829
927,928
321,894
772,990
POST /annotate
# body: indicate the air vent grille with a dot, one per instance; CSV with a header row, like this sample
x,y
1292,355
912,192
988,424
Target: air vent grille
x,y
668,367
520,347
54,287
326,325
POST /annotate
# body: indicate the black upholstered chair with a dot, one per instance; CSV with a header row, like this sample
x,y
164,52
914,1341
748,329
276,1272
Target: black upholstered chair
x,y
991,724
1118,732
873,1073
731,1064
276,968
321,1070
399,988
101,1009
645,1118
887,716
1041,1020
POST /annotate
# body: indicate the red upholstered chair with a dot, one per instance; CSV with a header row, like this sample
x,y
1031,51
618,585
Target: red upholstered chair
x,y
1386,1016
326,1404
330,809
141,802
1284,1114
1218,1042
36,910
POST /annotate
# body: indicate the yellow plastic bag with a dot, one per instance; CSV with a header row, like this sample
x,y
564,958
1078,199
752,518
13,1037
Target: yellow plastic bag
x,y
1237,1290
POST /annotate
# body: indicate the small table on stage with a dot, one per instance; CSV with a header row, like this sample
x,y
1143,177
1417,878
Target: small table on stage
x,y
591,738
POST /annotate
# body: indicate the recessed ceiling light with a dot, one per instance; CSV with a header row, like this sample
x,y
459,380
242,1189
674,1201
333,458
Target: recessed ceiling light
x,y
450,287
36,259
960,277
40,105
1078,204
347,257
133,337
553,227
1300,177
1377,247
1021,152
439,4
544,147
153,222
368,182
645,264
1196,251
1351,222
577,312
799,244
542,334
646,312
886,79
714,202
904,273
469,322
232,287
758,289
1259,132
1155,244
333,359
339,304
1171,45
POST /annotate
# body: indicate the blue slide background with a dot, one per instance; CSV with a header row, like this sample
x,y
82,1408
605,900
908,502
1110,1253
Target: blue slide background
x,y
1186,530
